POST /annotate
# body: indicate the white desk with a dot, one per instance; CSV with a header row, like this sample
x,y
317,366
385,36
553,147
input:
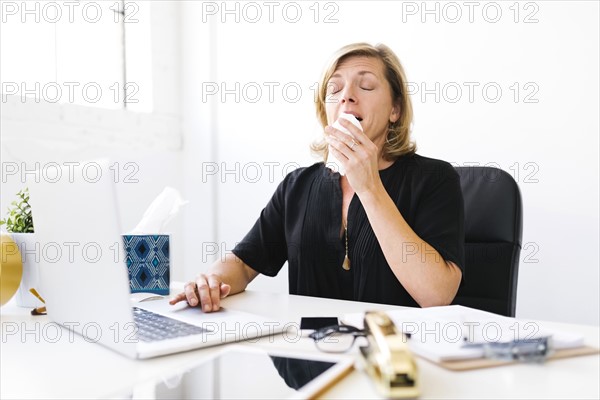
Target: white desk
x,y
37,363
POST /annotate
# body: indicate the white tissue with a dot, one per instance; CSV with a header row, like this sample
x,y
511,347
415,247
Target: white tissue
x,y
332,162
160,212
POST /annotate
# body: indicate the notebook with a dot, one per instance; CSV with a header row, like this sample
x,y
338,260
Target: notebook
x,y
441,334
84,279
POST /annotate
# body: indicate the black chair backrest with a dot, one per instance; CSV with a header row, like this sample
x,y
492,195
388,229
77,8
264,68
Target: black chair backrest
x,y
493,231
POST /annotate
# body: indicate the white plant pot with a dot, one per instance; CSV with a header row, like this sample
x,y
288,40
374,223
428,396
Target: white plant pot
x,y
30,255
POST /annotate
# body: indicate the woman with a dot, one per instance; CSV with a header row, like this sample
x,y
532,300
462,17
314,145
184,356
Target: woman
x,y
389,231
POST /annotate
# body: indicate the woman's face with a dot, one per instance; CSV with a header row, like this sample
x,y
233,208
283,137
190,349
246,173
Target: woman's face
x,y
359,87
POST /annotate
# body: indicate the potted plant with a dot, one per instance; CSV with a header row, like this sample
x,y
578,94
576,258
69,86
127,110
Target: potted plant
x,y
19,223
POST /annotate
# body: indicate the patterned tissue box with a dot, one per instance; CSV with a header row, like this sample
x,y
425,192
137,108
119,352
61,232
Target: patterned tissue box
x,y
147,259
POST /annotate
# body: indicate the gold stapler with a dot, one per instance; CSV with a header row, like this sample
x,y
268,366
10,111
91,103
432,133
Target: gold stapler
x,y
388,359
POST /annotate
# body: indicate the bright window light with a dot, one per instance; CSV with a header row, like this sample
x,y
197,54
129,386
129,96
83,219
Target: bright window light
x,y
75,53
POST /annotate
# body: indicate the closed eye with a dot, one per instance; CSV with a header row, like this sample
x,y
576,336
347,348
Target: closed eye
x,y
333,87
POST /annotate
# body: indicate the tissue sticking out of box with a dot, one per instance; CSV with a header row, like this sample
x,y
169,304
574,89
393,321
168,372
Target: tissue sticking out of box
x,y
160,212
332,162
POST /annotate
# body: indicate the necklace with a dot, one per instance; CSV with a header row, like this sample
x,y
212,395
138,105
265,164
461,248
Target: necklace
x,y
346,263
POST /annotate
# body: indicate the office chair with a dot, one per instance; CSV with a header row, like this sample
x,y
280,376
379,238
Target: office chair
x,y
493,231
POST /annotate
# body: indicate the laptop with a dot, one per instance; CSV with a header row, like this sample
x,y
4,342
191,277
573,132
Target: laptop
x,y
85,282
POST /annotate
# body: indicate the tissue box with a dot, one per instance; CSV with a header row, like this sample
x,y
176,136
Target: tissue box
x,y
147,259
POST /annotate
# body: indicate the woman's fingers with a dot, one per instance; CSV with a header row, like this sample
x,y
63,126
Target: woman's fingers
x,y
177,298
205,291
341,142
225,289
214,286
191,293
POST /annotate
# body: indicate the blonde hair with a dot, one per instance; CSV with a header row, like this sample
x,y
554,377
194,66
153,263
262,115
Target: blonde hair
x,y
398,142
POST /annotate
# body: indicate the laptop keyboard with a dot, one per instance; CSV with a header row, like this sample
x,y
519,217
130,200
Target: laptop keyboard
x,y
153,327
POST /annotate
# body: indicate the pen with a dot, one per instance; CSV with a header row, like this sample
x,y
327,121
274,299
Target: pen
x,y
38,310
536,349
36,294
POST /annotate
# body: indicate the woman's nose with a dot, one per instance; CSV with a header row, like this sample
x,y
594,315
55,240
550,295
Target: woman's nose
x,y
348,96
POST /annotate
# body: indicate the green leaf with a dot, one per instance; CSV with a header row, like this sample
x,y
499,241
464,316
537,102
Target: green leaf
x,y
19,218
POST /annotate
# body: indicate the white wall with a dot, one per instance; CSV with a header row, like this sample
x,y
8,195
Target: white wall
x,y
547,137
144,147
551,144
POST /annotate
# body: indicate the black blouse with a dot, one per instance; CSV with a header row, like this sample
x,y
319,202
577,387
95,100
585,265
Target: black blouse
x,y
302,221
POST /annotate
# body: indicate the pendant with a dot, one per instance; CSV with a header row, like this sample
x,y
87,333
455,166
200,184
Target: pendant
x,y
346,264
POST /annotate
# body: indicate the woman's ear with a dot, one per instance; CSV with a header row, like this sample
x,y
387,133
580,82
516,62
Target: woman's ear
x,y
395,114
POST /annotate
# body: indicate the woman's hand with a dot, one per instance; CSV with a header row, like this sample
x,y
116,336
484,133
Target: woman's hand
x,y
206,291
359,156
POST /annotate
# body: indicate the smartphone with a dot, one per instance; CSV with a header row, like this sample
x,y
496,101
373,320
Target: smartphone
x,y
315,323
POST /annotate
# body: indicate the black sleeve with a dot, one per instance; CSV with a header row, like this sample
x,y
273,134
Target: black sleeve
x,y
440,219
264,248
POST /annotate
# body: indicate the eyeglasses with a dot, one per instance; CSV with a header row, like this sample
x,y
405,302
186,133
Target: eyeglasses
x,y
336,338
